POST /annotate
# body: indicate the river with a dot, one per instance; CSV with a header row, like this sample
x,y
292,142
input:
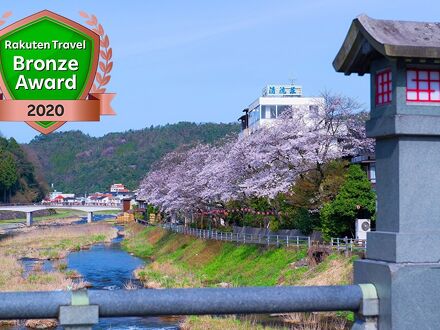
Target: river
x,y
108,267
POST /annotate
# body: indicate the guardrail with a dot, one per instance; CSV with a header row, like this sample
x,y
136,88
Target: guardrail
x,y
83,308
340,244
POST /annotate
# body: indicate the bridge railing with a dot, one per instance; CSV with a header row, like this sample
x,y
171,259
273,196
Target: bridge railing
x,y
110,205
20,204
81,204
83,308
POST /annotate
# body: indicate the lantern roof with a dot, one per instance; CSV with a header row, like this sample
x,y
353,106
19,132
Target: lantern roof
x,y
369,39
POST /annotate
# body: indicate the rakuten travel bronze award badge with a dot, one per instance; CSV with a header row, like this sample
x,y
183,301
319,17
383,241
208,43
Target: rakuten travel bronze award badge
x,y
54,70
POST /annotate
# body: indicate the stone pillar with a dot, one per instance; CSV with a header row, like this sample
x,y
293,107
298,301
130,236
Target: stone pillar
x,y
29,219
403,254
89,217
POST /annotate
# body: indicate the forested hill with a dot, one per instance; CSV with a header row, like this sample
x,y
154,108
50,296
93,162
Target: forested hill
x,y
75,162
20,181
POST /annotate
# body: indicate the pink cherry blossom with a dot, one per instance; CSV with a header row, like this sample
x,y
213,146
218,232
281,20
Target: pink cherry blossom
x,y
262,164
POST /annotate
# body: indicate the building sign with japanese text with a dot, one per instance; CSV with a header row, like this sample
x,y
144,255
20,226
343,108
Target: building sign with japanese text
x,y
282,90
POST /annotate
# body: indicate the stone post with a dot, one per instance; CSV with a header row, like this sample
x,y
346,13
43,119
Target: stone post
x,y
29,219
89,217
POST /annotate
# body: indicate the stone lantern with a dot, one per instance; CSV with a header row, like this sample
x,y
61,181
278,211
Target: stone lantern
x,y
403,254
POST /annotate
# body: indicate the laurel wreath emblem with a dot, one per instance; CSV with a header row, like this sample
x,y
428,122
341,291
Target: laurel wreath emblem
x,y
103,76
5,16
3,20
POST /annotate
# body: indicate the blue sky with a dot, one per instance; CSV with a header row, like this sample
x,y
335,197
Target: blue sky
x,y
205,61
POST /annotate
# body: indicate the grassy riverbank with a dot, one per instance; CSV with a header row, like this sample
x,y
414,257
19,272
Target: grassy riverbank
x,y
184,261
54,242
45,243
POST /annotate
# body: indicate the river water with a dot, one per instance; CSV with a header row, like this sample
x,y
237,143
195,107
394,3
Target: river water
x,y
108,267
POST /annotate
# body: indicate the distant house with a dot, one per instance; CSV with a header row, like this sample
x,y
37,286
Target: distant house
x,y
95,198
57,195
118,188
368,164
142,203
109,199
58,199
101,199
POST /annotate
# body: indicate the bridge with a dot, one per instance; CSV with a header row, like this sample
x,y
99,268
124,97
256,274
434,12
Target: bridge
x,y
30,208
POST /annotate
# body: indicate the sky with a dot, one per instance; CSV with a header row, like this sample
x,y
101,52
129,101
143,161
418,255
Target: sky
x,y
205,61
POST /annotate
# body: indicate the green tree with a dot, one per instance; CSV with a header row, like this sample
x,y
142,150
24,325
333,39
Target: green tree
x,y
20,180
315,188
305,221
355,199
8,173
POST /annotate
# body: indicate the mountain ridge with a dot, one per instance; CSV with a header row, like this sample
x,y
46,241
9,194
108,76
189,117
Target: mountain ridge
x,y
78,163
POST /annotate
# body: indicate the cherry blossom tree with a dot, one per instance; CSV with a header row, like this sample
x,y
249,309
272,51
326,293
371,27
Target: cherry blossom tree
x,y
264,164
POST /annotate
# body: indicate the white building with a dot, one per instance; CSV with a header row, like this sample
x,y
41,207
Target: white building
x,y
118,187
54,194
274,100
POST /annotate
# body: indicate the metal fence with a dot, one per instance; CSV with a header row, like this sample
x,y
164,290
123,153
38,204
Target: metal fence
x,y
83,308
277,240
348,244
340,244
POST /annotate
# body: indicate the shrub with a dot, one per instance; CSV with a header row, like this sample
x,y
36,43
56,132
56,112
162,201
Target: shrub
x,y
355,199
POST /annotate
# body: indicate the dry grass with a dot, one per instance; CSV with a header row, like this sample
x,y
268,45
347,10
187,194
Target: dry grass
x,y
12,279
335,270
8,323
59,221
42,243
295,321
339,270
158,275
155,235
174,244
45,243
10,272
206,254
130,286
220,323
55,242
41,324
315,321
166,268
